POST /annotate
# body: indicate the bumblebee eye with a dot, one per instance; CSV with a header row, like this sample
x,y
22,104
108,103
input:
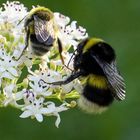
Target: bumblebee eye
x,y
100,45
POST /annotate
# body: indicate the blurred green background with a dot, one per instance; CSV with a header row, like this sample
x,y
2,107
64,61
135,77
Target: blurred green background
x,y
117,22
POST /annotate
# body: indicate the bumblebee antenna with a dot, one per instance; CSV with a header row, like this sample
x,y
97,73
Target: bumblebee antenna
x,y
22,20
60,52
71,57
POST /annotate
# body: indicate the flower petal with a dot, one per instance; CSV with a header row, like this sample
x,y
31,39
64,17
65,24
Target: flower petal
x,y
13,71
39,117
7,75
58,120
2,69
67,88
46,111
18,96
9,88
26,114
47,93
7,101
61,108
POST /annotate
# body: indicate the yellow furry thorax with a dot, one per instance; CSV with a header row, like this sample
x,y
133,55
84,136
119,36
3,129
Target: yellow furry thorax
x,y
42,11
91,43
97,81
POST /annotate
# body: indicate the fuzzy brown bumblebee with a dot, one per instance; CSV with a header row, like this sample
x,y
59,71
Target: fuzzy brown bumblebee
x,y
41,31
95,61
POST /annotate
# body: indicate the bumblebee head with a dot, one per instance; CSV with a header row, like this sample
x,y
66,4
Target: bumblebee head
x,y
42,12
100,49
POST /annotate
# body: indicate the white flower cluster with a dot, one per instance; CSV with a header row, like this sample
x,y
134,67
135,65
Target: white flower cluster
x,y
23,80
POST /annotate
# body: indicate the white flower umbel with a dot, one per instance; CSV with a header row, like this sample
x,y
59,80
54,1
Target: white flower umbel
x,y
35,109
25,78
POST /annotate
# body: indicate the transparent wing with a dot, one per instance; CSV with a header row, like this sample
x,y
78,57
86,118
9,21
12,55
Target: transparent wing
x,y
114,78
41,30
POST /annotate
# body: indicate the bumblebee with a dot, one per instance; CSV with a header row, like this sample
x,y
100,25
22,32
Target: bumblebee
x,y
95,61
41,31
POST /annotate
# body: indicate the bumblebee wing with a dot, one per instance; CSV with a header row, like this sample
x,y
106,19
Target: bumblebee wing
x,y
40,27
114,78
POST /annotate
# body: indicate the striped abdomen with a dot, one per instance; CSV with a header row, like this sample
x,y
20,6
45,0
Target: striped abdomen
x,y
39,48
96,96
97,90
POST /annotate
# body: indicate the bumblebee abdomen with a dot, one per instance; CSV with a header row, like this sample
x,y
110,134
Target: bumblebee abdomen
x,y
96,95
39,48
100,96
97,90
49,42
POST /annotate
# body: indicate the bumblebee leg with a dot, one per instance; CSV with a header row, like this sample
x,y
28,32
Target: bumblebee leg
x,y
27,39
22,20
69,79
71,57
60,52
26,43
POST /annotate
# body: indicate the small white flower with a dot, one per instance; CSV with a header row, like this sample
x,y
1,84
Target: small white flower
x,y
28,96
68,87
47,76
54,76
18,51
8,66
54,111
24,59
61,20
71,34
2,40
66,38
78,33
10,16
35,109
10,97
68,58
40,87
13,12
78,87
